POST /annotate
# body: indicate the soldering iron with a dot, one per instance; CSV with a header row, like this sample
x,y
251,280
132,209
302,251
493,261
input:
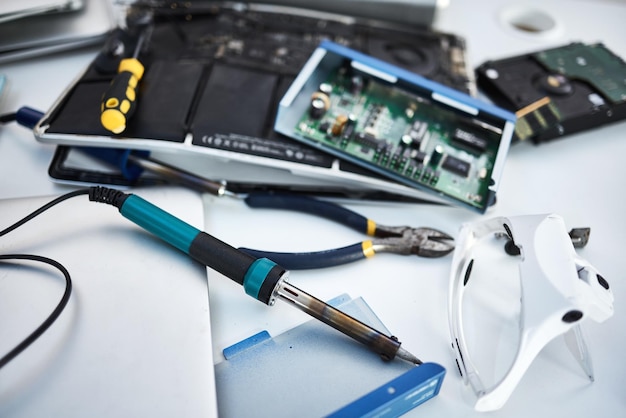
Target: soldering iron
x,y
261,278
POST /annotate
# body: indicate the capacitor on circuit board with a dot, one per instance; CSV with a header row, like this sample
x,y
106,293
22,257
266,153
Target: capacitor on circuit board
x,y
326,88
436,155
320,102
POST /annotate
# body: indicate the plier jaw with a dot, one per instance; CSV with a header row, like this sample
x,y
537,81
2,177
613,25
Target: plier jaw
x,y
432,243
423,242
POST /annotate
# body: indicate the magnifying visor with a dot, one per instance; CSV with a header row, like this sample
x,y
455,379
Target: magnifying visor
x,y
539,286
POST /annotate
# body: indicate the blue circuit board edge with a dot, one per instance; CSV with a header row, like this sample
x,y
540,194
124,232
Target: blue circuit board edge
x,y
417,80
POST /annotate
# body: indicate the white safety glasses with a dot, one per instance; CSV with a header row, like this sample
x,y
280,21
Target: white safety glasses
x,y
552,291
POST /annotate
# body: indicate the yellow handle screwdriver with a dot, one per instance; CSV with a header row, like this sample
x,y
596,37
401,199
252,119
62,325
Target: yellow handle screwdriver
x,y
118,102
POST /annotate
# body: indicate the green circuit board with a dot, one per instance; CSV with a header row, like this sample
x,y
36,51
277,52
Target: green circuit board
x,y
595,64
404,135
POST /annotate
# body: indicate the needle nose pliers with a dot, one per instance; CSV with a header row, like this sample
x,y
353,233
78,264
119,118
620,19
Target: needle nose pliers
x,y
404,240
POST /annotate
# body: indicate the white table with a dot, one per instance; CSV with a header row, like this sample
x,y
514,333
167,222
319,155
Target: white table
x,y
580,177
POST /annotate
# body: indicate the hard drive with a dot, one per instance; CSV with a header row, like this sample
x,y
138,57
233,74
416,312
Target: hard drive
x,y
585,83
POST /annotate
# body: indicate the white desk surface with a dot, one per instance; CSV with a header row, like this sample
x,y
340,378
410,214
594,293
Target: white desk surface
x,y
145,312
580,177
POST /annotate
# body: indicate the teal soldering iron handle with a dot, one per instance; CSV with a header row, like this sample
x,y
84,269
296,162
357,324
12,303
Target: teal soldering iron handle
x,y
258,277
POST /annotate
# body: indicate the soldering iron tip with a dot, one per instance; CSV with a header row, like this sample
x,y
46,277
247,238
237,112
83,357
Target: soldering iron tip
x,y
405,355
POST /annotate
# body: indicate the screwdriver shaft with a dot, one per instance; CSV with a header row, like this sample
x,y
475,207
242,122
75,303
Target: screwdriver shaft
x,y
180,176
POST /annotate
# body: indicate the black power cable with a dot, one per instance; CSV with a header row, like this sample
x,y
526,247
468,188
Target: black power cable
x,y
68,281
55,313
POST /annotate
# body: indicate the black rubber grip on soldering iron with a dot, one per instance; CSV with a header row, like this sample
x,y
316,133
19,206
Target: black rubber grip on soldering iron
x,y
308,205
232,263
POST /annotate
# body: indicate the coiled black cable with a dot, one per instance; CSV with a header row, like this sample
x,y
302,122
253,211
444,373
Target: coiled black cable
x,y
55,313
68,281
